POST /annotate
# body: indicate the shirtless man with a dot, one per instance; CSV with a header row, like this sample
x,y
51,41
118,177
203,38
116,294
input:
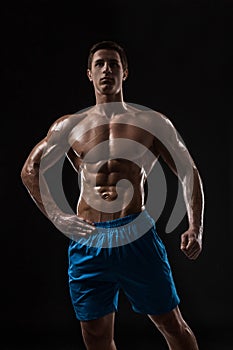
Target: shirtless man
x,y
113,146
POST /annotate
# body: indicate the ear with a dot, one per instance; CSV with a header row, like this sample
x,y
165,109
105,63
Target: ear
x,y
89,74
125,74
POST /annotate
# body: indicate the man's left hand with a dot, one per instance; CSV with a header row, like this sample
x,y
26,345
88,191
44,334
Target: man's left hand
x,y
191,244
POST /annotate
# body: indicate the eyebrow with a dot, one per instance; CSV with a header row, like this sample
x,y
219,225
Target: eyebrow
x,y
111,60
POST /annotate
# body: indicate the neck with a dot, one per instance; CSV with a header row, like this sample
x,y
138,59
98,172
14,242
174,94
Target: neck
x,y
106,98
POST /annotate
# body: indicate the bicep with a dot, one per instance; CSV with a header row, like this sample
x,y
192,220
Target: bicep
x,y
55,144
48,151
173,151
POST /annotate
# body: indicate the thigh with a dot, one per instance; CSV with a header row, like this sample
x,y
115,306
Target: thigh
x,y
93,299
146,276
93,288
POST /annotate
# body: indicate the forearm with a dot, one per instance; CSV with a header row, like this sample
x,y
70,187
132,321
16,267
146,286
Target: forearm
x,y
38,189
194,200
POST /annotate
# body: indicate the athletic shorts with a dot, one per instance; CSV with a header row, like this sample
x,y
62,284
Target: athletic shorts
x,y
133,260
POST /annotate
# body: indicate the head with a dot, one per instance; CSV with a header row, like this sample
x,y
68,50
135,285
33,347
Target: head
x,y
108,45
107,68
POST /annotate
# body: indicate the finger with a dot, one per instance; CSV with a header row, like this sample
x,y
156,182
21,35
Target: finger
x,y
184,242
85,225
78,230
191,243
86,220
84,230
193,246
190,252
192,256
194,253
79,233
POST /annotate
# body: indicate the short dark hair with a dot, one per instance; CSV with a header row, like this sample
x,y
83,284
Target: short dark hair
x,y
108,45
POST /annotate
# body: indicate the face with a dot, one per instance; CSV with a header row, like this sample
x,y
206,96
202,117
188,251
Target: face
x,y
106,72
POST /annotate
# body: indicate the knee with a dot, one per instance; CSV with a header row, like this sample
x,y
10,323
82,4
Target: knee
x,y
174,329
171,324
94,337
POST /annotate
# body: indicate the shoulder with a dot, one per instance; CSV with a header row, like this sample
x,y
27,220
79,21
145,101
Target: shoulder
x,y
66,122
59,122
150,119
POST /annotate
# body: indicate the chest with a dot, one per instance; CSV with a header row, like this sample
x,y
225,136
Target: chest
x,y
109,141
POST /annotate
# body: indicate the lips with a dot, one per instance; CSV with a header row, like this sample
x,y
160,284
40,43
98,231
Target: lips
x,y
106,80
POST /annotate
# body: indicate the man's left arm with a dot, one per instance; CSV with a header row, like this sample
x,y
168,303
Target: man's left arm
x,y
191,240
176,155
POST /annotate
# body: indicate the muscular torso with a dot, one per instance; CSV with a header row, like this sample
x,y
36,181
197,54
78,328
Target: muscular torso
x,y
114,159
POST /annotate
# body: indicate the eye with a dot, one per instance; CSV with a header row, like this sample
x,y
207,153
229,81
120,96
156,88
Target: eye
x,y
113,65
99,64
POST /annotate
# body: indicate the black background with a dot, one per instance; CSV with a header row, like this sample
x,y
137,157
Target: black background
x,y
180,64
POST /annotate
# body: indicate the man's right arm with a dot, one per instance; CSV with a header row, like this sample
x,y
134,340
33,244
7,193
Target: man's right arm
x,y
31,172
46,153
42,157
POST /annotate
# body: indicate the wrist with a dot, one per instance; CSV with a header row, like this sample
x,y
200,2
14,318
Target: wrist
x,y
197,229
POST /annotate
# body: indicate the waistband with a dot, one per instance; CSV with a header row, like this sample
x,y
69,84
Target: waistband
x,y
118,232
118,222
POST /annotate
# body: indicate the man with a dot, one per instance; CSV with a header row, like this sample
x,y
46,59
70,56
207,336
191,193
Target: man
x,y
113,240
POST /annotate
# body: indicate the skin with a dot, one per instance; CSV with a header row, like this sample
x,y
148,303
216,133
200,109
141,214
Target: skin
x,y
100,176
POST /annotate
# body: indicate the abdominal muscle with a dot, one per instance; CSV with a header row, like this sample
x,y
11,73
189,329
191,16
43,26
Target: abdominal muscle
x,y
110,195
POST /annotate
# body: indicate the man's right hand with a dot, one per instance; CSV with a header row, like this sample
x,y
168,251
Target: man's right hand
x,y
73,226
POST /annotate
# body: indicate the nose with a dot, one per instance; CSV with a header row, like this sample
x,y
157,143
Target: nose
x,y
107,68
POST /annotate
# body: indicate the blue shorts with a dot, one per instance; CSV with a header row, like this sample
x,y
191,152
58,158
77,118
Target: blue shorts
x,y
140,269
